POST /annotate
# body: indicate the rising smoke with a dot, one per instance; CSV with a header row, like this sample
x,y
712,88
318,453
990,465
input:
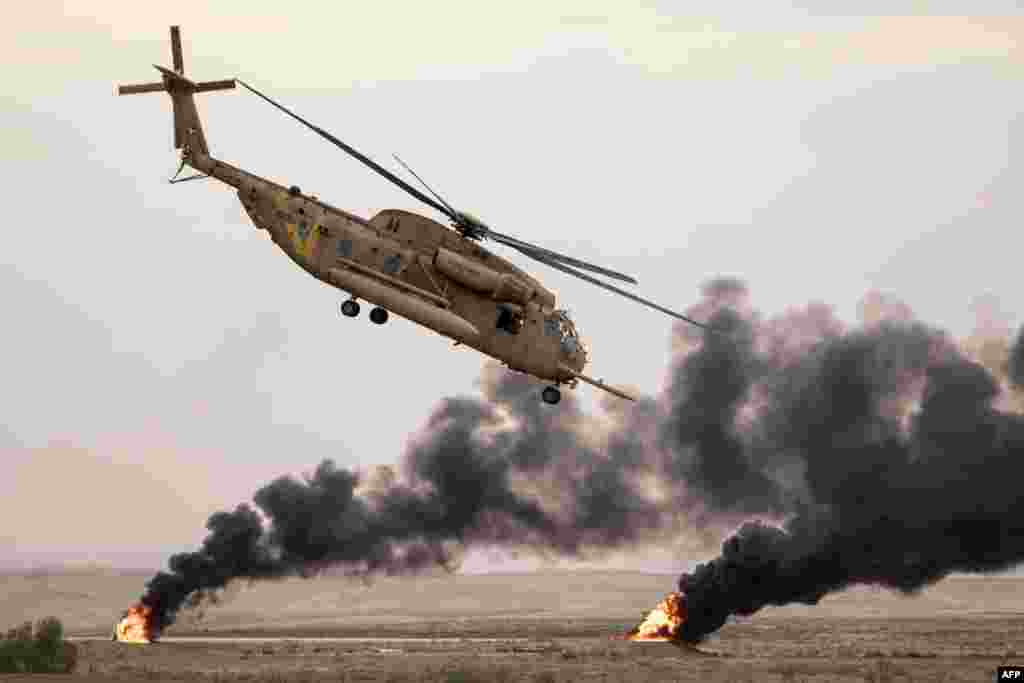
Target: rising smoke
x,y
505,470
885,499
1015,363
871,455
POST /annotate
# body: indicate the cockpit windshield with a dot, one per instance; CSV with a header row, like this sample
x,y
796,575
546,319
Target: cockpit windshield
x,y
559,324
566,327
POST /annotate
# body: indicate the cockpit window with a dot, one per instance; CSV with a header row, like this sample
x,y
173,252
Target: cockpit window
x,y
509,320
551,327
559,324
566,329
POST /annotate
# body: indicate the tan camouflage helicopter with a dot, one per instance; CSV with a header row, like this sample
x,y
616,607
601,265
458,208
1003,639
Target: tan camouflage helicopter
x,y
407,264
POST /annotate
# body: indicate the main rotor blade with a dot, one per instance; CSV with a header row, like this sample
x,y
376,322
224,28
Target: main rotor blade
x,y
423,182
542,254
628,295
531,250
356,154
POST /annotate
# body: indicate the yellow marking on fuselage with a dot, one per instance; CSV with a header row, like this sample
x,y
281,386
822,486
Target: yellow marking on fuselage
x,y
303,237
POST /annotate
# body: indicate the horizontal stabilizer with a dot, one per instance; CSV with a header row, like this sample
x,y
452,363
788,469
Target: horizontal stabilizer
x,y
174,75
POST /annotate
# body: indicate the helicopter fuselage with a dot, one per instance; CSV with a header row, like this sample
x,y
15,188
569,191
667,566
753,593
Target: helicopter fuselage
x,y
405,263
418,269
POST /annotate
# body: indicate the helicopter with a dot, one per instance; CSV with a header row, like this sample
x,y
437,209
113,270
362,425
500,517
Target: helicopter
x,y
403,263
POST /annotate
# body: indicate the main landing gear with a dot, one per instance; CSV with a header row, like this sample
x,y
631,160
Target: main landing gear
x,y
551,395
350,308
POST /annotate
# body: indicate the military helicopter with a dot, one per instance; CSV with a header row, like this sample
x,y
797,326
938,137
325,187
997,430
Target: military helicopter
x,y
402,262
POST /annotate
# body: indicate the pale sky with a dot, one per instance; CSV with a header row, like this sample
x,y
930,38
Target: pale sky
x,y
162,359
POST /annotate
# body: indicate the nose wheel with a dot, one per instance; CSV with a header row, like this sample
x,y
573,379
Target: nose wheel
x,y
350,308
551,395
379,315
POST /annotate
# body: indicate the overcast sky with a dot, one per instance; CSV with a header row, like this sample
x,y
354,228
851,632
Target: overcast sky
x,y
162,360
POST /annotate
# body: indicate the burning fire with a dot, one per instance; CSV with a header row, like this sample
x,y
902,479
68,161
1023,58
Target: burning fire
x,y
136,626
664,621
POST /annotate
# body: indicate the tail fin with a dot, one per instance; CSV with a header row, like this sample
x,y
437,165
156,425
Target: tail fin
x,y
188,130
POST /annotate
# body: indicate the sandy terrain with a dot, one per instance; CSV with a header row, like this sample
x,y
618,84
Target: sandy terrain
x,y
555,626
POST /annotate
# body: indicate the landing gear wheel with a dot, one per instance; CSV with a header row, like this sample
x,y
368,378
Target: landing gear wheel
x,y
350,308
551,395
379,315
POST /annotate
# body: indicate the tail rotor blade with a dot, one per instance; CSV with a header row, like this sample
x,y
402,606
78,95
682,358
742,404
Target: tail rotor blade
x,y
176,58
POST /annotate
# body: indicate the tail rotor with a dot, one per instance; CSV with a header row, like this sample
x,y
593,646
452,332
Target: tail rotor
x,y
188,130
176,59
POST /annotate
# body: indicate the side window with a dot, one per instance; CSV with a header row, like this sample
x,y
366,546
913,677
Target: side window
x,y
391,264
509,321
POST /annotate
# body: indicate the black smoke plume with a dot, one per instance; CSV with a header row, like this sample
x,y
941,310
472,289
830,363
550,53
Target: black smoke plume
x,y
792,421
506,470
1015,365
886,501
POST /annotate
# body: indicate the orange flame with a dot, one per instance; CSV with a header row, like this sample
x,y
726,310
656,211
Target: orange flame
x,y
136,626
664,622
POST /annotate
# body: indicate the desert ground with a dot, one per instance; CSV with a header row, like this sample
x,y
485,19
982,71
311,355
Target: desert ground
x,y
543,627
